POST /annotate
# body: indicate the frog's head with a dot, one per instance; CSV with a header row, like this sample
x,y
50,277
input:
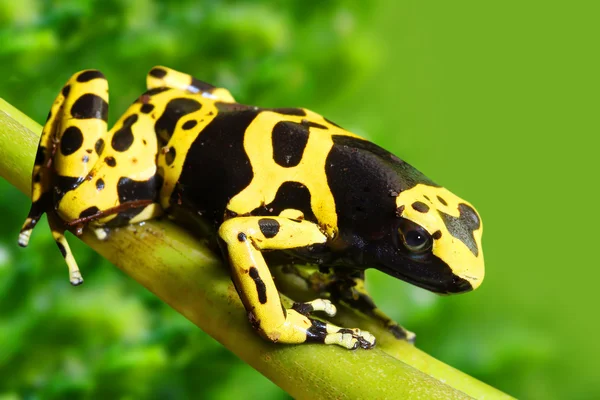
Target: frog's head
x,y
437,241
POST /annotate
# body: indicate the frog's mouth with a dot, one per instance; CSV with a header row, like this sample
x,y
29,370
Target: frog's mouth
x,y
426,271
443,287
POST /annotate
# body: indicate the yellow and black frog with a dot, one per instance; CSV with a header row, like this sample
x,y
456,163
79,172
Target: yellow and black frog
x,y
268,180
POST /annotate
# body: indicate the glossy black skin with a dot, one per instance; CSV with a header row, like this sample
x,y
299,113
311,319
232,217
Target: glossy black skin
x,y
363,178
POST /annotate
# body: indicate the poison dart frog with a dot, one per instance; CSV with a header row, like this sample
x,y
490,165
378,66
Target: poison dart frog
x,y
269,181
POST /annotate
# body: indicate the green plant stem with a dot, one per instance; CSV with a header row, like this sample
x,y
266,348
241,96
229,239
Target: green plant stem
x,y
181,270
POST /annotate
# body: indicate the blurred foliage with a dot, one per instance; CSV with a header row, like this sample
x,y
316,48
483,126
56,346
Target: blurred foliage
x,y
394,70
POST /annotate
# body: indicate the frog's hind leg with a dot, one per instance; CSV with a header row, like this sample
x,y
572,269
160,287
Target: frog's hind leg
x,y
70,145
166,77
243,239
58,233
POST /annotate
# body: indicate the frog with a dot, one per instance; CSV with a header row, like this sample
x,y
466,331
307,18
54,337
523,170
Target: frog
x,y
268,182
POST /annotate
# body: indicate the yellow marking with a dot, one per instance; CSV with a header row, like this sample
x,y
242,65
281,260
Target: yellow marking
x,y
179,80
150,212
181,141
448,248
269,176
292,213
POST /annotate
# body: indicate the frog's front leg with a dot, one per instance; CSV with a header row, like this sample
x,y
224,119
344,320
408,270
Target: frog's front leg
x,y
243,239
348,287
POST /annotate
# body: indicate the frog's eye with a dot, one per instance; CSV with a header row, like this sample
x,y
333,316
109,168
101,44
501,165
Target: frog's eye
x,y
414,237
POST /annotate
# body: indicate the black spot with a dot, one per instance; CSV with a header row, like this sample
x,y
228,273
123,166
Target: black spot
x,y
66,90
442,200
426,197
170,156
87,76
146,108
216,163
289,195
110,161
463,227
37,178
288,111
62,249
420,207
289,141
175,109
158,73
71,140
100,184
156,90
89,151
241,237
261,288
317,332
63,184
90,106
88,212
199,86
269,227
437,235
310,124
99,146
130,190
39,156
189,124
303,308
123,138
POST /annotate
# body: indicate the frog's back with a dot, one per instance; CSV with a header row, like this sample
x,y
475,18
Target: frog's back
x,y
256,161
292,162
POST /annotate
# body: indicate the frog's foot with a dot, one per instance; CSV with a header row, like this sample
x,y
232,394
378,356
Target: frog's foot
x,y
37,209
101,233
316,305
401,333
25,235
348,338
58,233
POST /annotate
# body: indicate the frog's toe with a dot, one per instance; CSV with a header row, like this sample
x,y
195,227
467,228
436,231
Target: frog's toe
x,y
351,339
316,305
411,337
401,333
324,305
75,278
24,237
101,233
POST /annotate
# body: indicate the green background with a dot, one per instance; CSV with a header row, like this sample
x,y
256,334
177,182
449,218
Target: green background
x,y
498,101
